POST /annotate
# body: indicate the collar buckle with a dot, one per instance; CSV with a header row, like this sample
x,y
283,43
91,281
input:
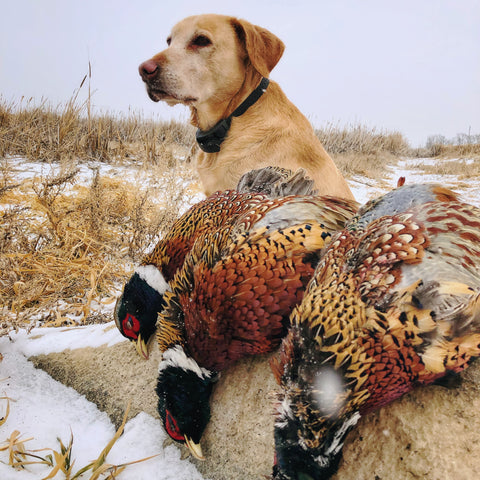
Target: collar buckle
x,y
211,140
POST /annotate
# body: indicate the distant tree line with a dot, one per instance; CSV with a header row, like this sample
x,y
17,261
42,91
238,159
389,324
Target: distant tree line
x,y
459,139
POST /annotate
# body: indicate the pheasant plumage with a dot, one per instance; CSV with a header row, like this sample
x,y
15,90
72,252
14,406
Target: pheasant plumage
x,y
142,298
238,284
394,303
234,294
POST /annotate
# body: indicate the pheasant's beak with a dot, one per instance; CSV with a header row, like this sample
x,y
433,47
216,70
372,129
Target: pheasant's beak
x,y
141,347
195,449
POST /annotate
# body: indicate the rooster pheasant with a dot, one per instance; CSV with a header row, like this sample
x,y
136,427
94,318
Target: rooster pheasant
x,y
393,304
142,297
232,298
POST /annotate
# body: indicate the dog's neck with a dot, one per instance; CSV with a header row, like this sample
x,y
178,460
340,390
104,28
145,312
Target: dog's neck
x,y
207,114
210,140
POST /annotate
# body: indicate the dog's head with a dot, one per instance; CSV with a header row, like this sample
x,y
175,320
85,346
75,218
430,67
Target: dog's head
x,y
209,58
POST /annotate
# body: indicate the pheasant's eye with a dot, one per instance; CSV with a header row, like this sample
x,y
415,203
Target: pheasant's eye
x,y
201,41
131,326
172,428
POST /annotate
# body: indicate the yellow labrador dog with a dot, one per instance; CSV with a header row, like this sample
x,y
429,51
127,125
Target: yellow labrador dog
x,y
219,67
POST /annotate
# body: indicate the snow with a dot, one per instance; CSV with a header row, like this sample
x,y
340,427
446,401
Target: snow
x,y
44,409
366,189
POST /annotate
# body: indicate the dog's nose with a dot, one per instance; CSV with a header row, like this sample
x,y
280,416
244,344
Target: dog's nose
x,y
148,70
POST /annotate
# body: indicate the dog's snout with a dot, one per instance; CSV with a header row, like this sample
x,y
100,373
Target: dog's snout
x,y
148,70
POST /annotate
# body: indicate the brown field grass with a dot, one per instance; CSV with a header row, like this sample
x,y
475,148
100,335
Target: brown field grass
x,y
57,133
450,150
359,150
463,168
455,151
66,246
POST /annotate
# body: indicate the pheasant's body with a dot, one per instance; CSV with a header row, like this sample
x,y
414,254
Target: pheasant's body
x,y
219,209
142,297
234,292
393,304
239,283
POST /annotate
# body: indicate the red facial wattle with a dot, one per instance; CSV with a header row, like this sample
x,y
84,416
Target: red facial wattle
x,y
172,428
131,326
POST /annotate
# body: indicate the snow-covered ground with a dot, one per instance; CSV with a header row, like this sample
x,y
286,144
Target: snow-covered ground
x,y
44,410
366,189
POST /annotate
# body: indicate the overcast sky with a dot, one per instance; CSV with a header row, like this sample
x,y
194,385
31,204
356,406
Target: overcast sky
x,y
410,65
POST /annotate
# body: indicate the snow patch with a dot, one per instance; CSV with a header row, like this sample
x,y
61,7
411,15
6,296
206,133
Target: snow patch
x,y
45,409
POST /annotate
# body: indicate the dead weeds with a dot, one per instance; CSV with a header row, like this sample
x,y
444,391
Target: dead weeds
x,y
20,456
360,150
67,246
463,168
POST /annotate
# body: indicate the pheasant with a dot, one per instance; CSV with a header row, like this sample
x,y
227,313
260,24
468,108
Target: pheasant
x,y
393,304
137,307
232,298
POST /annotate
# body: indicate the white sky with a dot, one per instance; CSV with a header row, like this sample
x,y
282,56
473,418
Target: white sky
x,y
409,65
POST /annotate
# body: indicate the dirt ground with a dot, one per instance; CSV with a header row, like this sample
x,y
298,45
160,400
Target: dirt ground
x,y
432,433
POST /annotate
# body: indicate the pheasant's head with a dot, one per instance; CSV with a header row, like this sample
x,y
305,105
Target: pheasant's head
x,y
183,390
316,408
137,308
308,439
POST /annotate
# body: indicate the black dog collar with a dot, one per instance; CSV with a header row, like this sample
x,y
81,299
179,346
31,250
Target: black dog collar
x,y
211,140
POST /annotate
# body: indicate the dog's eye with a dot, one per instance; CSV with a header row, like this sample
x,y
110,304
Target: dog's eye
x,y
169,41
201,41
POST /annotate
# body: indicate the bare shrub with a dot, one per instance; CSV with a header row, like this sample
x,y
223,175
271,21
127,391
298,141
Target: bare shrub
x,y
462,168
462,145
359,139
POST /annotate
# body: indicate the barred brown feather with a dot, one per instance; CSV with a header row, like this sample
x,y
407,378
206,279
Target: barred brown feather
x,y
394,303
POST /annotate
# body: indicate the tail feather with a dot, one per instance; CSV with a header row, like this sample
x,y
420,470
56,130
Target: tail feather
x,y
276,182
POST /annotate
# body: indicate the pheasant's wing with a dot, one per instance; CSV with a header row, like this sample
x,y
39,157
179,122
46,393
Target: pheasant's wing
x,y
240,305
332,213
441,319
400,200
221,208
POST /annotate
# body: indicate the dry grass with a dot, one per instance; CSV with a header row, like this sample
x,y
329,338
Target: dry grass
x,y
66,246
19,457
456,151
65,132
359,150
462,168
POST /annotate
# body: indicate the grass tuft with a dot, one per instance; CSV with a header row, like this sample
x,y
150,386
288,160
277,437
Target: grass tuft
x,y
65,246
62,461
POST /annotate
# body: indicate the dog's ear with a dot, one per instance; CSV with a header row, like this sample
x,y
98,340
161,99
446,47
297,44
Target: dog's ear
x,y
263,48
